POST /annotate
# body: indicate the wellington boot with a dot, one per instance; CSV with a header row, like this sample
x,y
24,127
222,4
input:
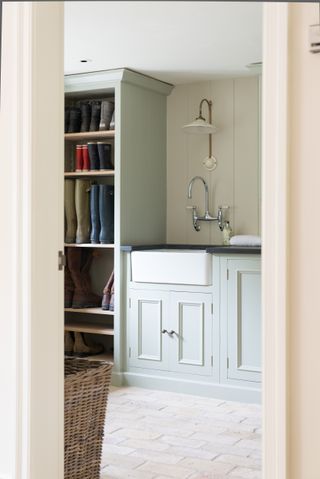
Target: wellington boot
x,y
107,293
107,108
70,211
104,150
83,296
74,120
68,288
95,115
94,211
106,210
82,203
68,343
93,155
82,349
85,115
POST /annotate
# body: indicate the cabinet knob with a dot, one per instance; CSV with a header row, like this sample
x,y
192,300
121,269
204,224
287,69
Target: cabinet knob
x,y
164,331
171,332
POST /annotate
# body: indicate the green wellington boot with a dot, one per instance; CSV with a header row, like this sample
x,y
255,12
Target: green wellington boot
x,y
70,211
82,203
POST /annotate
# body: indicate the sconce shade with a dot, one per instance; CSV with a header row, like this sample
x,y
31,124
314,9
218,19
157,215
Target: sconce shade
x,y
200,127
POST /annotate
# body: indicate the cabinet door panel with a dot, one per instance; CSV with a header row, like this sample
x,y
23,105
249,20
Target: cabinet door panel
x,y
191,343
148,313
244,320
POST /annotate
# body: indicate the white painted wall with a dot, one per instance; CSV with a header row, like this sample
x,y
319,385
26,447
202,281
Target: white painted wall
x,y
236,180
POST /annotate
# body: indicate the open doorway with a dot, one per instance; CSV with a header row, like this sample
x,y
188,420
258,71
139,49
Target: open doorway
x,y
193,326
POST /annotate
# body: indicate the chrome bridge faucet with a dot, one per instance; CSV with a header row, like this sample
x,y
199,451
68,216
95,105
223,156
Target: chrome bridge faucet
x,y
207,216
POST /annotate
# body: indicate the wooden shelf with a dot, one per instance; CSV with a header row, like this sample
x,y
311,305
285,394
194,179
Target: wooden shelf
x,y
97,357
88,311
89,245
82,174
89,328
89,135
102,357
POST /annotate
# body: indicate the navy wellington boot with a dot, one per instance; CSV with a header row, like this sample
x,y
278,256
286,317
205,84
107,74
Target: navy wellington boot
x,y
106,210
104,150
95,217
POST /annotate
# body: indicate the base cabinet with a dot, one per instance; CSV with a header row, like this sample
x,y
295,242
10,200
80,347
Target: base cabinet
x,y
171,331
204,340
241,319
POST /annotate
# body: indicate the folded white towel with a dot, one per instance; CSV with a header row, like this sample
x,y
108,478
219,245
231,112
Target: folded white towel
x,y
245,240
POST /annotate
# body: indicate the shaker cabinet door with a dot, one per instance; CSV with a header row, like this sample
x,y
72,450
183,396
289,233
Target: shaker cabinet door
x,y
244,319
191,333
148,316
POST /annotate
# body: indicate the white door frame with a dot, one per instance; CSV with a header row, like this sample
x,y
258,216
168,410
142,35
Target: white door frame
x,y
31,208
31,341
274,238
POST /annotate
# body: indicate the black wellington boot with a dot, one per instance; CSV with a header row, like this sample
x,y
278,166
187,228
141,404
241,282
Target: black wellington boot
x,y
85,115
95,115
106,210
95,217
75,120
104,150
66,118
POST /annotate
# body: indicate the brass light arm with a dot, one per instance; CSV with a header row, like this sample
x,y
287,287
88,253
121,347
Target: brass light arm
x,y
209,103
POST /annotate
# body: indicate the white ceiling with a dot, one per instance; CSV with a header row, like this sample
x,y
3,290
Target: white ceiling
x,y
177,42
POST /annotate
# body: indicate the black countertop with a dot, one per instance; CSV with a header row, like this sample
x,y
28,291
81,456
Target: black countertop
x,y
213,249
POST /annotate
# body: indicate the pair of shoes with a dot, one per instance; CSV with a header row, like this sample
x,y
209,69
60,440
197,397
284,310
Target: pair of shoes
x,y
72,119
89,212
108,294
75,345
102,214
100,155
93,156
78,291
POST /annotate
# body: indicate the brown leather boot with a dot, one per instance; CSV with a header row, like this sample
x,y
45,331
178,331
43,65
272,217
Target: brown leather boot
x,y
83,296
68,343
82,349
68,287
107,293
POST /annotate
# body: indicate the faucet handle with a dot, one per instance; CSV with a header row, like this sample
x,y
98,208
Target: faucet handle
x,y
189,207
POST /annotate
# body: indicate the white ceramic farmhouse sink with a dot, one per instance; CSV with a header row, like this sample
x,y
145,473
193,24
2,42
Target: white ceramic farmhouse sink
x,y
172,266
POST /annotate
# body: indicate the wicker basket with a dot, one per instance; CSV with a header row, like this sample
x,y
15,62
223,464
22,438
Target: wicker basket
x,y
85,403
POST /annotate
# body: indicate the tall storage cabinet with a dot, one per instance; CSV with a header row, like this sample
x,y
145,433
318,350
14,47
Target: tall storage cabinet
x,y
139,178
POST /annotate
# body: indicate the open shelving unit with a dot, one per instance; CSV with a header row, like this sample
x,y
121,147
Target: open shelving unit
x,y
85,325
139,158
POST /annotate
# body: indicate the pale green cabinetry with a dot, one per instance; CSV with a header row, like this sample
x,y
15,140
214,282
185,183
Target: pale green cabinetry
x,y
170,331
198,339
240,320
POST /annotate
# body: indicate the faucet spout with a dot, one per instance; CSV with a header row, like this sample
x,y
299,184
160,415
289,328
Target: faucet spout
x,y
206,192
